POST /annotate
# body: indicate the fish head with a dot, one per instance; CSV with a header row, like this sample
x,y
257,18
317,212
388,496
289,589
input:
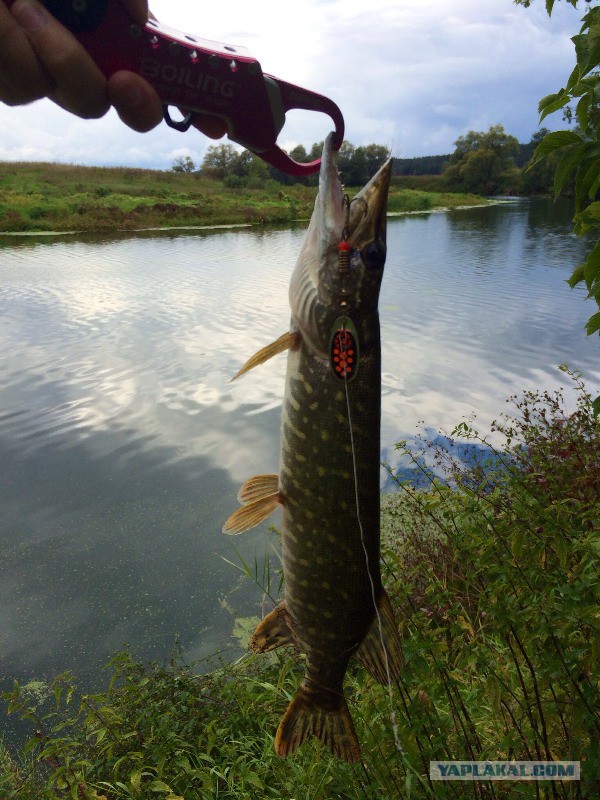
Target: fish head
x,y
360,224
326,285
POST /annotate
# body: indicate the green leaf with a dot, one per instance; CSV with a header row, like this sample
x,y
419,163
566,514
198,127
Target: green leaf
x,y
136,779
562,551
493,692
588,218
253,779
570,158
593,210
549,98
582,111
555,141
591,267
593,324
574,79
159,786
577,276
588,177
587,48
552,103
517,544
596,406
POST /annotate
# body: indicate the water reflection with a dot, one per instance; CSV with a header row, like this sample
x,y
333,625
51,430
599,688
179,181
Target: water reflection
x,y
475,309
122,443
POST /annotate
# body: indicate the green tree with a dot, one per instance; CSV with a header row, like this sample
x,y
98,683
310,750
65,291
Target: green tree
x,y
299,153
526,150
183,164
482,161
346,162
375,156
357,165
257,172
317,149
221,160
577,152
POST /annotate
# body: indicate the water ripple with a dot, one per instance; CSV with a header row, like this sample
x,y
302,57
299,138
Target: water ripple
x,y
121,436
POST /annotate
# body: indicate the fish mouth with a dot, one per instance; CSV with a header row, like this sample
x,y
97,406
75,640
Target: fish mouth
x,y
367,215
362,221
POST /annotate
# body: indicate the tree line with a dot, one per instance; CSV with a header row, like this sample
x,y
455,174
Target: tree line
x,y
488,162
243,169
483,162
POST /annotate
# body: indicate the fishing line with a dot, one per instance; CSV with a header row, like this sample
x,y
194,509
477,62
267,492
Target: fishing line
x,y
397,742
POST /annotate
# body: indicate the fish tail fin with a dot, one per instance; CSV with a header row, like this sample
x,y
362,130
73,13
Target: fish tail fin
x,y
304,717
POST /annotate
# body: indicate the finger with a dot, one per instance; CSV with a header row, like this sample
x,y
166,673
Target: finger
x,y
137,9
80,87
136,102
22,76
213,127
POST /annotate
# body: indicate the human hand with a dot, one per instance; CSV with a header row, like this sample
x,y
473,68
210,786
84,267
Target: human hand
x,y
39,58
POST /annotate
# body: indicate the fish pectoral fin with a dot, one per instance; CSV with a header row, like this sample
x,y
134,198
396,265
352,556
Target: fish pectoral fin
x,y
304,718
381,649
258,487
275,630
252,514
285,342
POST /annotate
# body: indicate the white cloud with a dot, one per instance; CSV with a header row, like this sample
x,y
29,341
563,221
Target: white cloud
x,y
413,75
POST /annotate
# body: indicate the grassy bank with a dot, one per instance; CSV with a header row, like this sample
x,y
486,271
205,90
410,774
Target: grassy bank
x,y
45,197
494,576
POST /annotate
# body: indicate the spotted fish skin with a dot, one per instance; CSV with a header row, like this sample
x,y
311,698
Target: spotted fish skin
x,y
335,606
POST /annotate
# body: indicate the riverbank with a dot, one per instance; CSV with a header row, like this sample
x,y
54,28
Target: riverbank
x,y
494,585
49,197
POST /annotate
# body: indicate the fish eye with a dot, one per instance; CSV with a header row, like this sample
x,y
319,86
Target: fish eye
x,y
373,255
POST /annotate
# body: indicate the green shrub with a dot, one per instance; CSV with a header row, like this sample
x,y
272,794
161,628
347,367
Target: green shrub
x,y
500,612
493,571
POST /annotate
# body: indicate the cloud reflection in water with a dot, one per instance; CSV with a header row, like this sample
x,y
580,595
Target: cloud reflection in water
x,y
122,442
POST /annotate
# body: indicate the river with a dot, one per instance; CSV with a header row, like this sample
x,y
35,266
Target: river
x,y
122,443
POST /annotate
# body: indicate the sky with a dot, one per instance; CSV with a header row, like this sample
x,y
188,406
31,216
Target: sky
x,y
407,74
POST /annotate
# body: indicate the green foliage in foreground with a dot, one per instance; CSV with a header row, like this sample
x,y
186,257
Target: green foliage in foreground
x,y
494,574
576,153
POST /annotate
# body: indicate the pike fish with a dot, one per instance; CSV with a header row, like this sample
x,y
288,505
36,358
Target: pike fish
x,y
334,606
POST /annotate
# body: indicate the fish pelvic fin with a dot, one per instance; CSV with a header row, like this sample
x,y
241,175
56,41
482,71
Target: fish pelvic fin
x,y
381,649
252,514
274,631
258,487
285,342
305,717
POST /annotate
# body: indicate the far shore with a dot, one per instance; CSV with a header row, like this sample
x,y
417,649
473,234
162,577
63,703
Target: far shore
x,y
38,198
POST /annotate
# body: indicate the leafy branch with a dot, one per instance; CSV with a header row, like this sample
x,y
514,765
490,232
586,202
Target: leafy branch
x,y
579,150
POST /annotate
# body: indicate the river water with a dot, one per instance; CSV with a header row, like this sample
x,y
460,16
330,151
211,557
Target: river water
x,y
122,443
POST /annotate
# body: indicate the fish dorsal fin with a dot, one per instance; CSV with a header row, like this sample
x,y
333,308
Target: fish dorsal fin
x,y
252,514
285,342
274,631
304,718
258,487
371,653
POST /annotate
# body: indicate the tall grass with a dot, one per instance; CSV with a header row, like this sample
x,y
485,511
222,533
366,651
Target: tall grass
x,y
65,197
493,571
